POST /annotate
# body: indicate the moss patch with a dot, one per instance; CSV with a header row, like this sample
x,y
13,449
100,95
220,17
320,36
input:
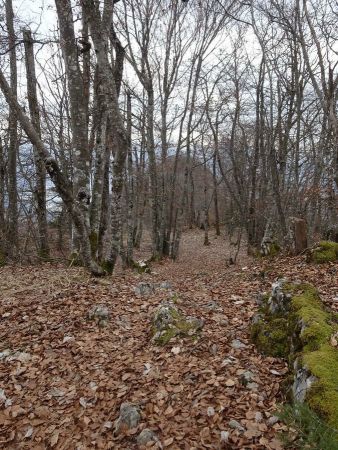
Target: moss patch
x,y
325,251
323,396
304,330
271,336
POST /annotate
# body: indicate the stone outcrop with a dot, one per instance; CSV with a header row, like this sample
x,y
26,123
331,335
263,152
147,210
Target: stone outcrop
x,y
293,323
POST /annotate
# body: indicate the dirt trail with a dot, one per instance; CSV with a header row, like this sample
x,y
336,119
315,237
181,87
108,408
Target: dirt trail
x,y
64,387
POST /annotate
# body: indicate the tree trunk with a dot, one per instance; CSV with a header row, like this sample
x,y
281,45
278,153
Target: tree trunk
x,y
40,188
12,231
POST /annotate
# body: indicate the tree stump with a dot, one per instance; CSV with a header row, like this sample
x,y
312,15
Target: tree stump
x,y
297,235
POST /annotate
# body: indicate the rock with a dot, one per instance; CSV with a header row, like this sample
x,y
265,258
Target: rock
x,y
272,420
236,343
224,436
252,386
229,360
144,289
146,436
279,302
302,382
169,322
166,285
210,411
129,418
236,425
23,357
5,353
246,377
99,314
142,266
213,306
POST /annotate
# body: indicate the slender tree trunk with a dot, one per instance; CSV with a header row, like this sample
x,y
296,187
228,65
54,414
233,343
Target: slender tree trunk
x,y
40,187
12,234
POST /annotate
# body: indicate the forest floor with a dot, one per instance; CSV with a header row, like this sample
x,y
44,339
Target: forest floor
x,y
63,378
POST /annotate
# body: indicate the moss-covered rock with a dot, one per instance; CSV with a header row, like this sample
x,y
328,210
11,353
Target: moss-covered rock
x,y
300,332
324,251
169,322
141,266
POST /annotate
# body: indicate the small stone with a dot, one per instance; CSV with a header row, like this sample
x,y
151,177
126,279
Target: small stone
x,y
2,396
272,420
144,289
23,357
165,285
146,436
224,436
252,386
228,361
129,418
258,417
236,343
210,411
236,425
68,339
5,353
246,377
99,313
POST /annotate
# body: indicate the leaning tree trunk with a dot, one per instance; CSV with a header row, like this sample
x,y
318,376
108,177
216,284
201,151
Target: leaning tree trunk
x,y
40,188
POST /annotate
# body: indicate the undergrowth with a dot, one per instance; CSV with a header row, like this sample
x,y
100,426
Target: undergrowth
x,y
306,429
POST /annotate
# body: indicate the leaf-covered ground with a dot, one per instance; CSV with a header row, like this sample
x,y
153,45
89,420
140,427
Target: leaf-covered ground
x,y
63,378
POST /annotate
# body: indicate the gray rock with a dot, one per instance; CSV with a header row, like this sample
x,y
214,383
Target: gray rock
x,y
169,322
302,382
129,418
144,289
236,343
100,314
257,318
165,285
252,386
146,436
236,425
246,377
272,420
213,306
279,302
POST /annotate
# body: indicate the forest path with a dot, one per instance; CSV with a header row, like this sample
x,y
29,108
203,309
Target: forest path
x,y
64,378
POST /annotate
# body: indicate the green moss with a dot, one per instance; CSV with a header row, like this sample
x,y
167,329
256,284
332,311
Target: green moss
x,y
323,396
179,326
306,429
325,251
141,266
309,326
271,336
308,308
